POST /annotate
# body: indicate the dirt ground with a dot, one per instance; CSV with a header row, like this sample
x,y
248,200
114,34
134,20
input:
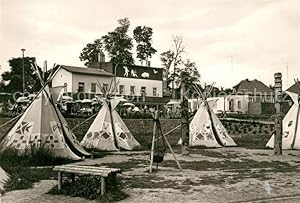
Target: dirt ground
x,y
208,175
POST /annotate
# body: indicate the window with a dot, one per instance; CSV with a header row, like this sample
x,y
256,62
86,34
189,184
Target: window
x,y
143,91
132,90
239,105
65,87
121,89
251,100
154,91
93,87
81,87
105,87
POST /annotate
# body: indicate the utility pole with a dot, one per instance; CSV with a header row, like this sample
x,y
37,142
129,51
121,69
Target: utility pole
x,y
23,50
278,114
184,118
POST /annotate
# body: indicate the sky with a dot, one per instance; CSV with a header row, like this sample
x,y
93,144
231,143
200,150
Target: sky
x,y
230,40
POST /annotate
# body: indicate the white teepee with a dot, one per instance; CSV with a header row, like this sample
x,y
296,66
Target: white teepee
x,y
290,126
206,129
108,131
43,126
4,177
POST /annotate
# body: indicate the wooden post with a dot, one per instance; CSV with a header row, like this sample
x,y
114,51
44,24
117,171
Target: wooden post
x,y
174,156
278,114
59,180
184,119
153,141
103,186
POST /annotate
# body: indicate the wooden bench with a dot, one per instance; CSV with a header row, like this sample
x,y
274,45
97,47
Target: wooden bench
x,y
87,170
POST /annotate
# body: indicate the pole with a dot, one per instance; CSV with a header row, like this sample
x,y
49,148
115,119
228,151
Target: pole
x,y
184,119
23,50
153,141
278,114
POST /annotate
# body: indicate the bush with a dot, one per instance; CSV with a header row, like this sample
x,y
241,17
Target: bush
x,y
31,157
89,187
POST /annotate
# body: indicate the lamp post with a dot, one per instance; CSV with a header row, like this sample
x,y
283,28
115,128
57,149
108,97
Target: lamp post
x,y
23,50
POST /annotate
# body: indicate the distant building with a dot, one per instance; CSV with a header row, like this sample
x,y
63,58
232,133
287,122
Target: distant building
x,y
80,79
260,96
139,84
248,97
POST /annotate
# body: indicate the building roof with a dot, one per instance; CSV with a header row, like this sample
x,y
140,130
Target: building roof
x,y
295,88
252,87
86,71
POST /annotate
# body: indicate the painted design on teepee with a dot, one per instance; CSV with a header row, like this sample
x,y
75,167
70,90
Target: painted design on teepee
x,y
23,127
205,133
222,131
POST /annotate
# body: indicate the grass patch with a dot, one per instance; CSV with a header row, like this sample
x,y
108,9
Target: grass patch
x,y
89,187
25,177
33,157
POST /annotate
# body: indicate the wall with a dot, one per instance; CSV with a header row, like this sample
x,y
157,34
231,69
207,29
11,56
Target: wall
x,y
88,79
63,76
219,106
138,83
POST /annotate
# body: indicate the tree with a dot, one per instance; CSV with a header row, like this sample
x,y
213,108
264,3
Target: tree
x,y
118,44
90,53
173,58
143,37
14,78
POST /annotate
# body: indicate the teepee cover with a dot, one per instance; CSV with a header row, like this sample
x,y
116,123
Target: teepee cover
x,y
207,130
108,131
4,177
290,126
43,126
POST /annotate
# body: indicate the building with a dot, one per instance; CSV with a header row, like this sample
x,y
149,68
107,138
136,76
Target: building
x,y
138,84
248,97
260,96
80,80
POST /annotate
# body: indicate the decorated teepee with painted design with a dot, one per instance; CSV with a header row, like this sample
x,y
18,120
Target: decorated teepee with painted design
x,y
206,129
4,178
43,126
108,131
291,122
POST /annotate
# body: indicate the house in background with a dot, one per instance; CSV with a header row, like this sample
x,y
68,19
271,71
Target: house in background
x,y
248,97
81,80
141,85
260,96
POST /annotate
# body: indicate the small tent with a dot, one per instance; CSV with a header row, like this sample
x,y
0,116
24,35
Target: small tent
x,y
4,177
206,129
108,131
291,122
43,126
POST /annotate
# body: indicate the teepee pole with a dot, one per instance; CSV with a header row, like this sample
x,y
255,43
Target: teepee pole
x,y
168,144
153,141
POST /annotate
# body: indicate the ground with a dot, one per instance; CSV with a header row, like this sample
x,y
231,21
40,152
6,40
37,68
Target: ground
x,y
208,175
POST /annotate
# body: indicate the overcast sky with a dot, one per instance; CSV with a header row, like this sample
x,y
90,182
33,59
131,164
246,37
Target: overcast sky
x,y
230,40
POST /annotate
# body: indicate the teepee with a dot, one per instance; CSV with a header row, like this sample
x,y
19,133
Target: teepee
x,y
206,129
291,122
4,177
43,126
108,131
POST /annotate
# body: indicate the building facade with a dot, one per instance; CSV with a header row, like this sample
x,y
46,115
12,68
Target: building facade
x,y
138,84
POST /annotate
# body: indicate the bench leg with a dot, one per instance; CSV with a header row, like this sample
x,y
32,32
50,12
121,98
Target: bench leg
x,y
103,186
59,180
